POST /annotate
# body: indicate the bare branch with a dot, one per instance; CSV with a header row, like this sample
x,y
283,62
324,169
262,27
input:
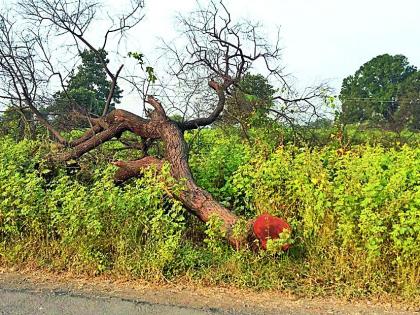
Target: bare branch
x,y
222,50
19,72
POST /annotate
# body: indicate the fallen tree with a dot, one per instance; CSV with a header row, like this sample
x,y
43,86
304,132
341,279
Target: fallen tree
x,y
160,127
218,53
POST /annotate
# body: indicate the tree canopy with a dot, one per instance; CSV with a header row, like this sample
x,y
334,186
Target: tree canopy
x,y
371,93
408,97
87,89
252,97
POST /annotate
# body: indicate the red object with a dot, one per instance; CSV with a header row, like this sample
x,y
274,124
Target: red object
x,y
269,227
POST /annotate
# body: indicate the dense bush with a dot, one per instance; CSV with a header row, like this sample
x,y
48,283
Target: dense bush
x,y
355,216
65,223
359,212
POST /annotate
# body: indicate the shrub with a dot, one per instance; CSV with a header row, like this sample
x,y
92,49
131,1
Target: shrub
x,y
355,216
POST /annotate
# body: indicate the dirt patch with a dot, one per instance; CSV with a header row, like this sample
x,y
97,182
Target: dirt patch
x,y
224,299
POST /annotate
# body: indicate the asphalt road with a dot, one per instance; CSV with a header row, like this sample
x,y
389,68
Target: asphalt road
x,y
32,302
30,294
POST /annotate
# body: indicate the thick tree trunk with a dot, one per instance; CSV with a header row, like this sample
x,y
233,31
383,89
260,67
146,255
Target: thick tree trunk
x,y
194,198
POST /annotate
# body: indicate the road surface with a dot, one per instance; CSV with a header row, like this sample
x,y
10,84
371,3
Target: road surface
x,y
26,294
33,302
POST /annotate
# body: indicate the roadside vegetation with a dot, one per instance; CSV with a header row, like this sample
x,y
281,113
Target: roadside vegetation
x,y
355,214
222,146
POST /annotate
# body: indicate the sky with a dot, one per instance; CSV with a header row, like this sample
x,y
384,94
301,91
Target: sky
x,y
322,40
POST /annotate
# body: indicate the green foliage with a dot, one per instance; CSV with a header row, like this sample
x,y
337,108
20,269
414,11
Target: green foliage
x,y
275,246
151,74
137,56
249,102
215,235
88,88
94,227
256,87
355,216
16,123
215,157
345,207
150,71
408,113
371,93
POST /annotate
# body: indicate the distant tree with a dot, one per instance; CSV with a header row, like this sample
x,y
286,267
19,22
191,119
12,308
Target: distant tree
x,y
321,123
87,89
408,99
371,93
17,122
249,101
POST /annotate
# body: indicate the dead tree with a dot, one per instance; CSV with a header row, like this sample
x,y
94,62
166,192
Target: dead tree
x,y
21,86
215,56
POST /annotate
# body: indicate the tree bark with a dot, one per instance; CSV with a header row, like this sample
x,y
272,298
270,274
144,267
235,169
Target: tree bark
x,y
130,169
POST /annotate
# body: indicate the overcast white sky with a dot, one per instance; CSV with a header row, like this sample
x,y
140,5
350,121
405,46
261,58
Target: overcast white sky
x,y
322,39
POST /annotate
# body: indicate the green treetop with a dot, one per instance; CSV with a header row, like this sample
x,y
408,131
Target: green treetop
x,y
371,93
249,100
88,87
